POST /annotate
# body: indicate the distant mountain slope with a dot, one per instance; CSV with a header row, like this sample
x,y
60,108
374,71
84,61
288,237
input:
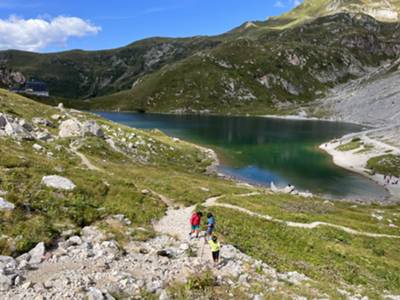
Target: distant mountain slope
x,y
81,74
274,66
381,10
273,73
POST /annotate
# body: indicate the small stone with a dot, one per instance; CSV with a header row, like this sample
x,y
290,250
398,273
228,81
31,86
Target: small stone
x,y
145,192
184,246
164,295
37,147
5,205
43,136
5,283
74,241
27,285
7,262
95,294
37,254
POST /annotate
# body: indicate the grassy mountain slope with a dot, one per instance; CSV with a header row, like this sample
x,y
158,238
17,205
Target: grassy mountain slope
x,y
258,67
157,163
130,181
80,74
273,73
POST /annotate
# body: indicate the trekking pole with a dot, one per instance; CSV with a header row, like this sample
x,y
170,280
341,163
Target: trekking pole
x,y
202,250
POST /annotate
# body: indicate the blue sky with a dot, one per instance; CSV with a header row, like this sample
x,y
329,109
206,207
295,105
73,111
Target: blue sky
x,y
54,25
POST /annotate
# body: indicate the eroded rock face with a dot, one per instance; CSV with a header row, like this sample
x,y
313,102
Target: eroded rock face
x,y
58,182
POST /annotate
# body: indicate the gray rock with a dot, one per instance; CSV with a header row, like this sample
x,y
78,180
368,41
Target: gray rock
x,y
37,147
43,136
74,241
5,283
154,286
26,125
96,294
15,130
7,262
3,121
164,295
41,121
293,277
91,128
5,205
92,234
70,128
37,254
58,182
2,193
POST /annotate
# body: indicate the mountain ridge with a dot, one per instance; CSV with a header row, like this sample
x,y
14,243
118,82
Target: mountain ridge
x,y
296,57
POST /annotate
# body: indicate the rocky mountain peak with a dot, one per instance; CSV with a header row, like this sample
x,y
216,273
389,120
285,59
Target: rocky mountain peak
x,y
382,10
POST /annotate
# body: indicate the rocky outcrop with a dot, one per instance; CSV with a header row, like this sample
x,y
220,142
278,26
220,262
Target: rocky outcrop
x,y
16,128
73,128
70,128
10,78
58,182
91,128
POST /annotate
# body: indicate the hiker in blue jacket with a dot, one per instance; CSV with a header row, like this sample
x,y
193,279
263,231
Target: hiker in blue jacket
x,y
210,224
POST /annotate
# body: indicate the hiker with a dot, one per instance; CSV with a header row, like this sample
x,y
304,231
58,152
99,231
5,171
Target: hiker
x,y
195,223
210,224
215,247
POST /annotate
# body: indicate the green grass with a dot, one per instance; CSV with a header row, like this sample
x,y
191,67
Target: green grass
x,y
386,164
173,169
331,257
305,210
352,145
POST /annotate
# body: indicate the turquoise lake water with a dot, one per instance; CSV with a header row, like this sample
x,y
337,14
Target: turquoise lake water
x,y
260,150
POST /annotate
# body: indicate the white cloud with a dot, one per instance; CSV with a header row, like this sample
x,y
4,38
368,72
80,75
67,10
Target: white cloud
x,y
297,2
279,4
36,34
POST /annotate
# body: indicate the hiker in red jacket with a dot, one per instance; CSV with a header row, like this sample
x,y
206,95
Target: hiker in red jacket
x,y
195,223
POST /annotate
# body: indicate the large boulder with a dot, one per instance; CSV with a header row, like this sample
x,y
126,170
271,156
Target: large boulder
x,y
91,128
58,182
37,254
5,205
70,128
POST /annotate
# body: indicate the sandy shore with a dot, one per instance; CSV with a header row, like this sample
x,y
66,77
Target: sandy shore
x,y
357,162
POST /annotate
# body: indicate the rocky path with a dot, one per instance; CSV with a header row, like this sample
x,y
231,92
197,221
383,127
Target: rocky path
x,y
74,147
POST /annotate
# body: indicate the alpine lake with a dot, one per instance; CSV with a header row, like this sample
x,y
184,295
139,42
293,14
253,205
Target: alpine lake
x,y
262,150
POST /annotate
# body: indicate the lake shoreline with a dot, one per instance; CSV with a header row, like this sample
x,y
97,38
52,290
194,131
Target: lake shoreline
x,y
356,161
216,163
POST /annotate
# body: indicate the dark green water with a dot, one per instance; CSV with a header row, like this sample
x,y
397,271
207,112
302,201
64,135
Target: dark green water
x,y
261,150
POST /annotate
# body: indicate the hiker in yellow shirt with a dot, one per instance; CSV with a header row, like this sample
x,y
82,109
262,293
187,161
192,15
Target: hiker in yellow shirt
x,y
215,247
